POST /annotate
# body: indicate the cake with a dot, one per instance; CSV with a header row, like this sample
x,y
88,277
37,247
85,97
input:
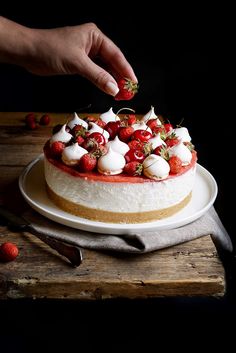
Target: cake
x,y
120,168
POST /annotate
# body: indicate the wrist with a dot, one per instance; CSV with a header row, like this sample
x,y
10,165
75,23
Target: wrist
x,y
17,42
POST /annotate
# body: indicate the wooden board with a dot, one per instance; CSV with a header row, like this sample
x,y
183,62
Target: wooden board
x,y
189,269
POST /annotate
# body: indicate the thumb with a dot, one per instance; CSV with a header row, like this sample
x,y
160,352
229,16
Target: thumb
x,y
98,76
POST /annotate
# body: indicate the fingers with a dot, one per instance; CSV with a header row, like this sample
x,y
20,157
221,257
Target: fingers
x,y
100,46
98,76
115,59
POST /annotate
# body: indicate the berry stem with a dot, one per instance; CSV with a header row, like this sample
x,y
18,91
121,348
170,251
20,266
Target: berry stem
x,y
132,110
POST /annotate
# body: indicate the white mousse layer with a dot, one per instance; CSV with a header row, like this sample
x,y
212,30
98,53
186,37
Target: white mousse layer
x,y
119,196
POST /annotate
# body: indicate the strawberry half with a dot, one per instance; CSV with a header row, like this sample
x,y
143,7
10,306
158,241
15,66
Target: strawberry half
x,y
127,89
133,168
87,162
175,164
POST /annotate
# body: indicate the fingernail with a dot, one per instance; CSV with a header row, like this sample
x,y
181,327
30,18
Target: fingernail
x,y
112,88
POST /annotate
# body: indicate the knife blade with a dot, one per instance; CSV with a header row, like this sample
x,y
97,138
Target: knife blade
x,y
18,223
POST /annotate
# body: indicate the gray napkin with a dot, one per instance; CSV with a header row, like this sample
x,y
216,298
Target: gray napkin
x,y
141,242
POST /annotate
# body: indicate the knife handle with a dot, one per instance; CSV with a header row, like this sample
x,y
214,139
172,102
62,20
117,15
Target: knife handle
x,y
12,220
71,252
18,223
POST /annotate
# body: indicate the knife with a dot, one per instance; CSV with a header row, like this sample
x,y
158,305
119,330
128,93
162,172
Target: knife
x,y
17,223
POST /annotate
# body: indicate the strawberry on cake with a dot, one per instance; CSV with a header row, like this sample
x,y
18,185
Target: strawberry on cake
x,y
120,169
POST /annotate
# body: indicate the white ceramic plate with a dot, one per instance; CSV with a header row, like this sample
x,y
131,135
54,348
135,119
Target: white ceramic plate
x,y
32,186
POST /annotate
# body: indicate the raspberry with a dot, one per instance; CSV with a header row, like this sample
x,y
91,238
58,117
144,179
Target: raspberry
x,y
8,252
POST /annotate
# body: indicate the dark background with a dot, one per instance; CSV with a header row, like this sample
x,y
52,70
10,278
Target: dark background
x,y
182,57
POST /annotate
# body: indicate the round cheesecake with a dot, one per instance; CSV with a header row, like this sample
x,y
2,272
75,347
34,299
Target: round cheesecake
x,y
117,198
109,192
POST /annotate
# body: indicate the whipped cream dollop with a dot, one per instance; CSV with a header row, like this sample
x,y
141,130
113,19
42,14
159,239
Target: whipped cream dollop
x,y
156,141
95,128
77,121
72,154
109,116
182,152
141,126
151,115
62,135
182,134
155,167
111,163
118,146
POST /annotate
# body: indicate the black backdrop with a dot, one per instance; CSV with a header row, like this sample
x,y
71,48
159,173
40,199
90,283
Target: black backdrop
x,y
182,57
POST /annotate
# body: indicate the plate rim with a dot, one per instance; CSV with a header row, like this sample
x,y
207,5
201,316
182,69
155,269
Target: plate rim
x,y
112,228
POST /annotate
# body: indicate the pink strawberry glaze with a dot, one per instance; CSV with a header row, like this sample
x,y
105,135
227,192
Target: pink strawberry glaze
x,y
120,178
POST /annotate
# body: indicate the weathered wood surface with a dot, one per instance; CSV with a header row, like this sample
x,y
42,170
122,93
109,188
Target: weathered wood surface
x,y
190,269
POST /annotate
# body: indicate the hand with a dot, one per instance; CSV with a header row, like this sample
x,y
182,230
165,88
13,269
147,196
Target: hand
x,y
69,50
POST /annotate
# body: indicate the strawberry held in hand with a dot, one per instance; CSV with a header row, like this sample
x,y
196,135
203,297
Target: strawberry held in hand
x,y
127,89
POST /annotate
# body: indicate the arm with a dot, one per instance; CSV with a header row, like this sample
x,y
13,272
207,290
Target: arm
x,y
65,50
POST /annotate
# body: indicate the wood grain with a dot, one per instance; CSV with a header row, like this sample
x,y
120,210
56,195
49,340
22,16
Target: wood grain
x,y
190,269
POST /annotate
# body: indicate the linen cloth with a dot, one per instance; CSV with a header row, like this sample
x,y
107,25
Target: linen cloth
x,y
140,242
